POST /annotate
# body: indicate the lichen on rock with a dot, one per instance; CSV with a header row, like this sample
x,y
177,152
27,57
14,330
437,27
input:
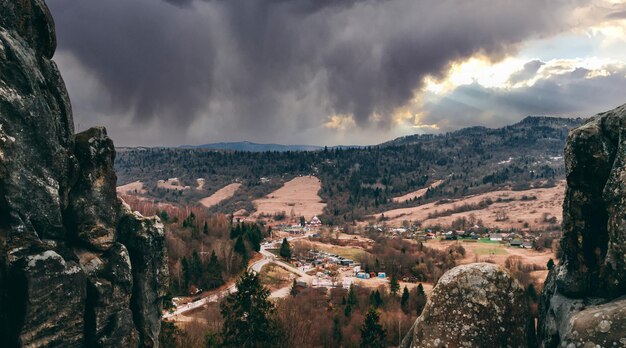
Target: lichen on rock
x,y
476,305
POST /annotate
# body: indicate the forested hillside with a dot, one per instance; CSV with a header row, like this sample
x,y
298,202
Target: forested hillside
x,y
359,181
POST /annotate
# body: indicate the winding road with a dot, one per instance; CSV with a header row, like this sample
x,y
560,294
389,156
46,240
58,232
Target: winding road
x,y
268,258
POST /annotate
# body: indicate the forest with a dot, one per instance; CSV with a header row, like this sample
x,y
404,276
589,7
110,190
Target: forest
x,y
360,181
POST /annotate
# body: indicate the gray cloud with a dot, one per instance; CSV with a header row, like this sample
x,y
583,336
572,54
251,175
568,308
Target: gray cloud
x,y
245,68
528,71
574,94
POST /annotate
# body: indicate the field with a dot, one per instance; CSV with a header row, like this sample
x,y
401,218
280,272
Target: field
x,y
275,277
498,253
516,209
298,196
416,194
135,187
224,193
352,253
171,184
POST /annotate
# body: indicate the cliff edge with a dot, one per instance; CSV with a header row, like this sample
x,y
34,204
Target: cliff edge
x,y
77,267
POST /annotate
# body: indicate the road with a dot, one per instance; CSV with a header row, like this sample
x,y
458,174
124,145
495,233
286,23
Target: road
x,y
268,258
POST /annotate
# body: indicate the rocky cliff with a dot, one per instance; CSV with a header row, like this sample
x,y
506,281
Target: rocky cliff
x,y
583,303
584,298
77,267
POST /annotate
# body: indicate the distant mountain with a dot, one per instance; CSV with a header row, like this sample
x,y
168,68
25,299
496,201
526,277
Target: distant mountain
x,y
547,126
253,147
359,181
247,146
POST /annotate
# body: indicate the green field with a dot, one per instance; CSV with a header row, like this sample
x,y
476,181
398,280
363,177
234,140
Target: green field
x,y
347,252
495,250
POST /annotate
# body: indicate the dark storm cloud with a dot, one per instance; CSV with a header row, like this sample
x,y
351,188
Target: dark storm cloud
x,y
256,64
578,93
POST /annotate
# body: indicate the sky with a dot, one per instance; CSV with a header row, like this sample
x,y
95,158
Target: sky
x,y
330,72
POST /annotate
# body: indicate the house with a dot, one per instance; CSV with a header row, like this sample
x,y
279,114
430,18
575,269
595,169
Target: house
x,y
527,245
382,275
516,243
315,222
496,237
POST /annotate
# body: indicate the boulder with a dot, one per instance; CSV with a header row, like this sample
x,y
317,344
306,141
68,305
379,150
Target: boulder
x,y
476,305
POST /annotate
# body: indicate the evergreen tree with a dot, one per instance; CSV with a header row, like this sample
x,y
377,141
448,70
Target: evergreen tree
x,y
249,315
214,272
164,216
550,264
394,285
294,289
420,299
404,301
532,292
347,311
240,247
376,300
285,249
205,229
337,335
195,268
186,276
372,332
352,299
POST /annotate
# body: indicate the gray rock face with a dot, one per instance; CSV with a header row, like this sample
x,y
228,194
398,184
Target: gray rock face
x,y
477,305
94,204
581,301
76,269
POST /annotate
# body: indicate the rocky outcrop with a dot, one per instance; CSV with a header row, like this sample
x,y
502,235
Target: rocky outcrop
x,y
77,268
477,305
584,298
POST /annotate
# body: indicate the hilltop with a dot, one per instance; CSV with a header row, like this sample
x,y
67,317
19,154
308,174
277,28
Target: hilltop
x,y
361,181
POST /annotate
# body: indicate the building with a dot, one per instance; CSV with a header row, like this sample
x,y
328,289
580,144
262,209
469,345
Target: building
x,y
496,237
315,222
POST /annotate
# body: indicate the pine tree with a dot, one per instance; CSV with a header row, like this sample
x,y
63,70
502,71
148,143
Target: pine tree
x,y
404,301
337,335
205,229
394,285
240,248
420,299
249,315
372,332
294,289
352,300
550,264
214,272
285,249
186,276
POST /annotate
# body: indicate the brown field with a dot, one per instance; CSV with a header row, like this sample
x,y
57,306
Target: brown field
x,y
548,201
171,184
221,194
416,194
275,277
131,188
498,253
299,196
